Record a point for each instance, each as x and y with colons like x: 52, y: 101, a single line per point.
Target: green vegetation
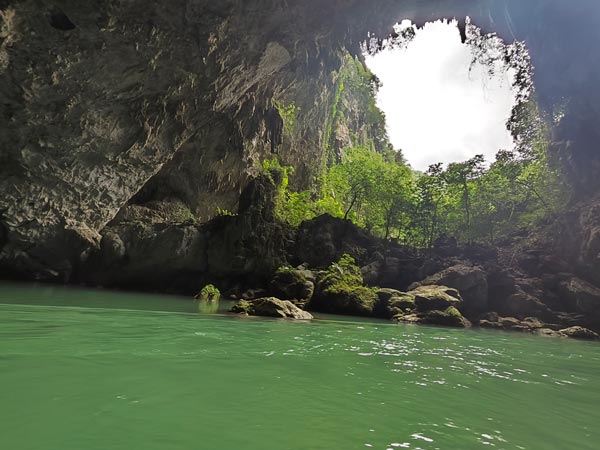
x: 371, y: 185
x: 341, y: 290
x: 225, y: 212
x: 345, y: 273
x: 209, y: 293
x: 288, y: 113
x: 355, y: 90
x: 470, y: 200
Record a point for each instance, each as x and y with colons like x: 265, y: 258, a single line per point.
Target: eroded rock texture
x: 112, y: 109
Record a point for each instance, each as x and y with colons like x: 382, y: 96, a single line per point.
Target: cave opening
x: 447, y: 90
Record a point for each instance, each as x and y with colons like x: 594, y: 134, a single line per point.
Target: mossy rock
x: 242, y: 307
x: 347, y: 300
x: 392, y: 302
x: 209, y: 293
x: 430, y: 298
x: 271, y: 307
x: 344, y: 272
x: 449, y: 317
x: 291, y: 284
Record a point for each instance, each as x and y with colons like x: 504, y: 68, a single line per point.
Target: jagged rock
x: 580, y: 296
x: 529, y: 324
x: 580, y: 333
x: 450, y: 317
x: 112, y: 248
x: 523, y: 305
x: 370, y: 272
x: 392, y: 302
x: 291, y: 284
x: 471, y: 282
x: 325, y: 239
x: 347, y: 300
x: 271, y: 307
x: 429, y: 298
x: 547, y: 332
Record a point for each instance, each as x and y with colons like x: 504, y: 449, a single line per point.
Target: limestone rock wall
x: 107, y: 105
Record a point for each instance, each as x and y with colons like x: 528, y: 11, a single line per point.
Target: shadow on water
x: 39, y: 294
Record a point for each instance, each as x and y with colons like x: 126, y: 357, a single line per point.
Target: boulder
x: 580, y: 333
x: 523, y: 305
x: 579, y: 295
x: 449, y: 317
x: 391, y: 302
x: 347, y: 300
x: 271, y: 307
x: 471, y: 282
x: 429, y: 298
x: 292, y: 284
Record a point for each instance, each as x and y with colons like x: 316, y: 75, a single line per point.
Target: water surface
x: 102, y: 370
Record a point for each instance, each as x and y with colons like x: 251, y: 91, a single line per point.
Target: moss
x: 404, y: 302
x: 291, y: 284
x: 341, y: 290
x: 288, y: 113
x: 345, y: 274
x: 242, y: 307
x: 289, y: 275
x: 448, y: 317
x: 225, y: 213
x: 208, y: 293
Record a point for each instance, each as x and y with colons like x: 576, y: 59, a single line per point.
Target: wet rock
x: 347, y: 300
x: 580, y: 333
x: 449, y: 317
x: 271, y: 307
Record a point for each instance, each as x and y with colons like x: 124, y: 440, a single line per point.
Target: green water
x: 121, y: 371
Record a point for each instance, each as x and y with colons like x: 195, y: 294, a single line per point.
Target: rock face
x: 106, y: 105
x: 126, y: 126
x: 435, y: 305
x: 470, y: 281
x: 143, y: 104
x: 580, y: 296
x: 291, y: 284
x: 580, y: 333
x: 271, y: 307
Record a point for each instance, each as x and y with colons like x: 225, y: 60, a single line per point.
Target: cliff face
x: 109, y: 103
x: 110, y: 109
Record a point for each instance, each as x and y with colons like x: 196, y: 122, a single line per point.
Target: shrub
x: 208, y: 293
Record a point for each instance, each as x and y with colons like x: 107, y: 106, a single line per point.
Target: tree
x: 462, y: 175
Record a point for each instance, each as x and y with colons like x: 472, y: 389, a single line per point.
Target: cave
x: 216, y: 114
x: 169, y: 170
x: 127, y: 130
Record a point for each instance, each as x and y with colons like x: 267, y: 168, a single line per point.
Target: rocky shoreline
x: 329, y: 265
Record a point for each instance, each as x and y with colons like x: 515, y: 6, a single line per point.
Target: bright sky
x: 438, y: 111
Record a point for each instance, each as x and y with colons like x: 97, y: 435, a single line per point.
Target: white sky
x: 438, y: 111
